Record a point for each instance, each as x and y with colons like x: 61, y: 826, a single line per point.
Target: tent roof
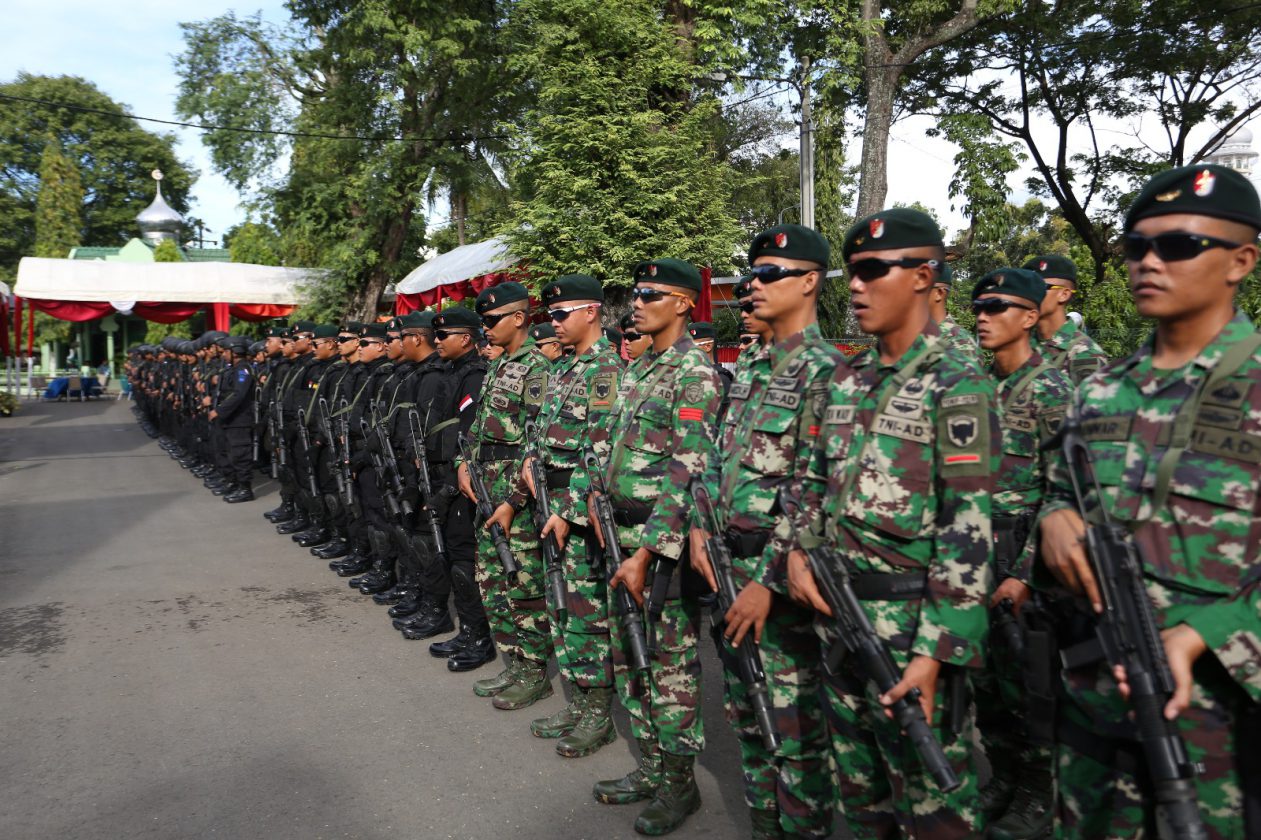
x: 4, y: 290
x: 459, y: 264
x: 191, y: 282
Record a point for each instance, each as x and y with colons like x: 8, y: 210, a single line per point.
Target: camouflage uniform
x: 1073, y: 352
x: 662, y: 427
x: 769, y: 432
x: 511, y: 397
x: 1202, y: 571
x: 960, y: 339
x: 582, y: 390
x: 901, y: 483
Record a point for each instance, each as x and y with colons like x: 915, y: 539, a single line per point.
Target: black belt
x: 499, y: 452
x: 558, y: 479
x: 630, y: 514
x: 889, y: 587
x: 746, y: 543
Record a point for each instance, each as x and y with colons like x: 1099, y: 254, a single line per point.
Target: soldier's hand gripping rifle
x: 553, y: 563
x: 378, y: 466
x: 278, y: 438
x: 625, y: 607
x: 486, y: 509
x: 304, y: 438
x: 748, y: 658
x: 326, y: 429
x: 254, y: 434
x: 426, y: 485
x: 392, y: 475
x: 857, y: 638
x: 1128, y: 634
x: 341, y: 451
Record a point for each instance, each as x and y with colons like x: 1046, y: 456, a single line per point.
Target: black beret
x: 377, y: 330
x: 418, y: 320
x: 225, y: 342
x: 572, y: 287
x: 501, y: 295
x: 542, y: 332
x: 351, y: 327
x: 325, y: 331
x: 614, y: 335
x: 393, y: 325
x: 1019, y: 282
x: 184, y: 348
x: 892, y: 230
x: 702, y: 330
x: 303, y: 326
x: 744, y: 287
x: 627, y: 322
x: 1053, y: 266
x: 458, y: 318
x: 1202, y: 190
x: 792, y: 242
x: 945, y: 274
x: 277, y: 332
x: 238, y: 344
x: 668, y: 272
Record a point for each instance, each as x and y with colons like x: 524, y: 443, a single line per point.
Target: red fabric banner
x: 165, y: 313
x: 704, y: 309
x: 453, y: 291
x: 70, y: 310
x: 218, y: 316
x: 30, y: 335
x: 17, y: 326
x: 4, y: 328
x: 260, y: 311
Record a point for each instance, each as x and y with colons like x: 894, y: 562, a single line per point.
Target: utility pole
x: 806, y: 154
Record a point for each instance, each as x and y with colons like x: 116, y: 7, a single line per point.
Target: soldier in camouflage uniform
x: 1061, y: 341
x: 511, y: 398
x: 955, y: 335
x: 633, y: 342
x: 662, y: 426
x: 767, y: 437
x: 1033, y: 395
x: 754, y: 332
x: 544, y: 336
x: 901, y: 482
x: 582, y: 391
x: 1174, y: 432
x: 706, y: 338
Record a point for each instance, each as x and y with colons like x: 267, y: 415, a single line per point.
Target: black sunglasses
x: 775, y: 273
x: 873, y: 268
x: 1171, y: 247
x: 366, y: 342
x: 746, y: 306
x: 630, y: 336
x: 443, y: 335
x: 492, y: 321
x: 746, y: 340
x: 559, y: 315
x: 996, y: 306
x: 342, y: 339
x: 653, y: 295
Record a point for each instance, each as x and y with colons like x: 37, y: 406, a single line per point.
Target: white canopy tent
x: 200, y: 282
x: 457, y: 265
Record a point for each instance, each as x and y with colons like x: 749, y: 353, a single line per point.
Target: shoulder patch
x: 693, y: 392
x: 839, y: 415
x: 741, y: 391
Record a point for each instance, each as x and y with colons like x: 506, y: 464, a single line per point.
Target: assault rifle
x: 1129, y: 636
x: 748, y: 659
x: 486, y: 509
x: 278, y: 438
x: 426, y: 485
x: 342, y: 428
x: 553, y: 563
x: 254, y: 435
x: 326, y: 429
x: 859, y: 639
x: 304, y: 437
x: 623, y: 604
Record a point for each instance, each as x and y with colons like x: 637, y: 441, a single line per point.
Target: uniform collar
x: 777, y: 350
x: 673, y: 355
x: 929, y: 338
x: 1138, y: 366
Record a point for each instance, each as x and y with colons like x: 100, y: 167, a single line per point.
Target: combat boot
x: 561, y: 723
x: 594, y: 730
x: 530, y: 686
x: 766, y: 824
x: 677, y: 798
x: 351, y: 565
x: 1030, y: 815
x: 296, y: 525
x: 225, y: 489
x: 996, y: 794
x: 280, y: 514
x: 336, y: 547
x: 244, y: 493
x: 475, y: 654
x: 316, y: 536
x: 453, y: 645
x: 491, y: 686
x: 639, y: 784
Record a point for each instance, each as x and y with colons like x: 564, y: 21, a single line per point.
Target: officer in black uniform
x: 234, y: 417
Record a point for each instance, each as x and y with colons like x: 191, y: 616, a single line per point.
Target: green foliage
x: 113, y: 156
x: 156, y: 332
x: 58, y: 204
x: 167, y: 251
x: 255, y: 243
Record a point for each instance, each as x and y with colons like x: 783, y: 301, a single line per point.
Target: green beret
x: 792, y: 242
x: 393, y: 325
x: 352, y: 327
x: 303, y: 326
x: 326, y: 331
x: 668, y: 272
x: 457, y: 318
x: 946, y: 275
x: 892, y: 230
x: 744, y: 287
x: 627, y: 322
x: 1019, y: 282
x: 1202, y: 190
x: 572, y: 287
x: 377, y: 330
x: 418, y: 320
x: 1053, y: 266
x: 542, y: 332
x: 501, y: 295
x: 702, y: 330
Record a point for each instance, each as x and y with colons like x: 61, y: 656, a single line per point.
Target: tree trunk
x: 873, y: 185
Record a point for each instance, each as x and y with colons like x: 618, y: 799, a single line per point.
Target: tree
x: 253, y: 242
x: 113, y: 155
x: 167, y: 251
x: 58, y: 204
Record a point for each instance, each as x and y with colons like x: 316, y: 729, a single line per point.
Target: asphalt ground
x: 170, y: 667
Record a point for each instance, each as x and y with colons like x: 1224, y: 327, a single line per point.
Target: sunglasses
x: 653, y: 295
x: 559, y: 315
x: 443, y: 335
x: 368, y: 342
x: 342, y: 339
x: 996, y: 306
x: 746, y: 306
x: 873, y: 268
x: 746, y: 340
x: 415, y: 335
x: 1171, y: 247
x: 775, y: 273
x: 630, y: 336
x: 318, y: 341
x: 492, y: 321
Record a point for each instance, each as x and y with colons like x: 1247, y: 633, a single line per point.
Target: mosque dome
x: 159, y: 220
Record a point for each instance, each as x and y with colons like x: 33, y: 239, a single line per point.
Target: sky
x: 127, y: 51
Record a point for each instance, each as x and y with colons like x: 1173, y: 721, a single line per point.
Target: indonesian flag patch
x: 466, y: 402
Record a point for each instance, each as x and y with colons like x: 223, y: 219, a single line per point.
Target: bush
x: 8, y: 404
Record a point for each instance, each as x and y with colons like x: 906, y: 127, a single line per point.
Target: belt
x: 558, y: 479
x: 1006, y: 523
x: 630, y: 514
x: 499, y: 452
x: 746, y: 543
x: 889, y: 587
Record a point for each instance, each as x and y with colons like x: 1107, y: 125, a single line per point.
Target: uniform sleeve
x: 535, y: 397
x: 242, y: 390
x: 1232, y: 631
x: 1052, y: 406
x: 953, y: 622
x: 601, y: 393
x: 693, y: 434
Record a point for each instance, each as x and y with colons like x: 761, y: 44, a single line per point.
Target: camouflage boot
x: 491, y: 686
x: 561, y: 723
x: 676, y: 799
x: 1030, y: 815
x: 594, y: 730
x: 530, y: 686
x: 640, y: 783
x: 766, y: 824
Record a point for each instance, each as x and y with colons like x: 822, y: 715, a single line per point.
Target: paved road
x: 171, y: 668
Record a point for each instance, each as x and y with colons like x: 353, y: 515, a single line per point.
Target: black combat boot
x: 243, y: 493
x: 443, y: 650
